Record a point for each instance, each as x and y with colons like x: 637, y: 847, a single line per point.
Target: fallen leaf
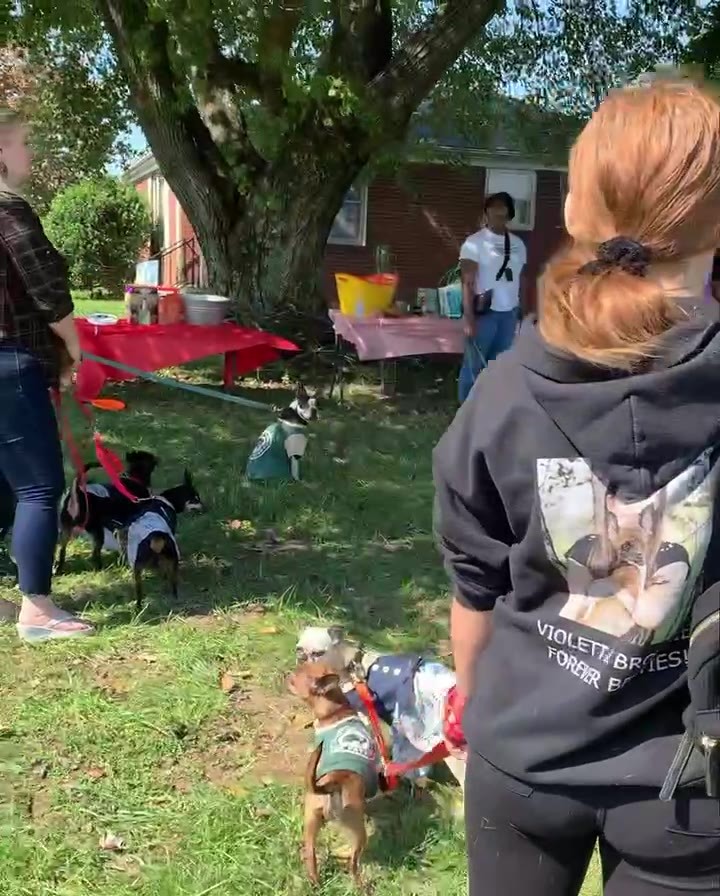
x: 269, y: 630
x: 96, y: 774
x: 111, y: 842
x: 228, y: 685
x: 263, y: 812
x: 182, y: 785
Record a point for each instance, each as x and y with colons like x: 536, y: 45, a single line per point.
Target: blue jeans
x: 494, y: 335
x: 31, y: 466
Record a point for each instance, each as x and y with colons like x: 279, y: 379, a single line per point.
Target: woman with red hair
x: 578, y: 513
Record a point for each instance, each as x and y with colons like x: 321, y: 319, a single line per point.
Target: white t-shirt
x: 487, y: 250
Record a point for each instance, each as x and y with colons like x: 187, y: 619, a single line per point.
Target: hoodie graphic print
x: 631, y: 569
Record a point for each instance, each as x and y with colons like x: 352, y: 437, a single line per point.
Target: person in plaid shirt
x: 39, y: 349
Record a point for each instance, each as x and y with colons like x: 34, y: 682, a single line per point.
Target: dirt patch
x: 117, y: 675
x: 263, y: 738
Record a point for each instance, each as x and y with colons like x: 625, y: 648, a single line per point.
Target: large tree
x: 262, y: 113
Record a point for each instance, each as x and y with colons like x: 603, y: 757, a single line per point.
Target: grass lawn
x: 130, y: 735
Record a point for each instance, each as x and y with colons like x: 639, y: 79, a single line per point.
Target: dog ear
x: 187, y: 478
x: 613, y: 524
x: 336, y: 633
x: 326, y: 685
x: 301, y: 392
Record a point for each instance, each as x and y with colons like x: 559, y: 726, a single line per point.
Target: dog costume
x: 156, y: 515
x: 273, y: 451
x: 409, y: 691
x: 348, y: 746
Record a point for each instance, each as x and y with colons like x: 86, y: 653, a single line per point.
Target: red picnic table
x: 156, y: 346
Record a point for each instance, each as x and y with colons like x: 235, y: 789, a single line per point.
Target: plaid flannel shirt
x: 34, y: 290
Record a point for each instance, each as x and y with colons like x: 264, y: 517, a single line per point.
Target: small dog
x: 342, y: 771
x: 148, y: 540
x: 410, y: 691
x: 281, y: 447
x: 101, y: 509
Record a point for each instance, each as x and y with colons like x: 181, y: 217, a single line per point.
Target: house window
x: 156, y: 198
x: 350, y: 225
x: 521, y: 186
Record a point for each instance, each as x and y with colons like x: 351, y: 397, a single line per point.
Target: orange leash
x: 108, y: 460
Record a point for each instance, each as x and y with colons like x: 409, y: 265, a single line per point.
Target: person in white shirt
x: 492, y: 264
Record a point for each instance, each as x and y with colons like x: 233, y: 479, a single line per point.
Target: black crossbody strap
x: 506, y: 259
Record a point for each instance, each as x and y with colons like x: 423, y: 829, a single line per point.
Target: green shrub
x: 100, y: 226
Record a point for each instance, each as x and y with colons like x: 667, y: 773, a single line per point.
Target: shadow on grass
x: 352, y: 541
x: 403, y: 823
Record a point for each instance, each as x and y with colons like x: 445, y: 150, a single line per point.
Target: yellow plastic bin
x: 365, y: 296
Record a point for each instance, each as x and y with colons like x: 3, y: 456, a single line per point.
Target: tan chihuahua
x: 342, y: 770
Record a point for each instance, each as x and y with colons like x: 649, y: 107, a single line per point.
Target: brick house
x: 420, y: 215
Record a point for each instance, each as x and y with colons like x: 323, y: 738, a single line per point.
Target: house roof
x: 516, y: 134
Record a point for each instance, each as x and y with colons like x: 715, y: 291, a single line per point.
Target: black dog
x: 101, y: 509
x: 149, y: 541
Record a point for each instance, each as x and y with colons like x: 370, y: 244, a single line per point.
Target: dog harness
x: 270, y: 458
x: 348, y: 746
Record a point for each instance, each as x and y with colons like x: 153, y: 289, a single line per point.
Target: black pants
x: 539, y: 841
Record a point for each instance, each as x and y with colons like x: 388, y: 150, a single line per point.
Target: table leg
x: 229, y: 368
x: 388, y: 376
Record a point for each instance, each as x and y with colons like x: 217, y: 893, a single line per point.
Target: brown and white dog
x: 342, y: 772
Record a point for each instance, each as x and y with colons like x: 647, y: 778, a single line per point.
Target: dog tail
x: 311, y: 785
x: 157, y: 543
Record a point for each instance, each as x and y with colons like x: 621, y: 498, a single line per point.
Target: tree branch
x: 362, y: 36
x: 427, y: 55
x: 277, y: 32
x: 191, y: 160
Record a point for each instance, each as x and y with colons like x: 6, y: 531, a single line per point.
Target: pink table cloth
x: 379, y: 338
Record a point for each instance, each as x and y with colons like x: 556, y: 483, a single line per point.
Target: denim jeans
x: 31, y: 466
x: 494, y: 335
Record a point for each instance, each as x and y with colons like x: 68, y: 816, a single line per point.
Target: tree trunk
x: 271, y: 255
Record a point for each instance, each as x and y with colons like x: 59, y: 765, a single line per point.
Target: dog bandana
x: 348, y: 746
x: 270, y: 458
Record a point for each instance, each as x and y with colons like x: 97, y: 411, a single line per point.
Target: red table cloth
x: 156, y: 346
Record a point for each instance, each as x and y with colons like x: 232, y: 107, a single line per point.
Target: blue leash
x: 176, y: 384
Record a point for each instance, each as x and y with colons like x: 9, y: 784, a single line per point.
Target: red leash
x: 108, y: 460
x: 393, y: 771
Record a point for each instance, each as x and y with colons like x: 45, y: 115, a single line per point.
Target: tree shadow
x: 353, y: 539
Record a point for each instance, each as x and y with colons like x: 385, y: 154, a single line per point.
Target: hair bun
x: 620, y: 252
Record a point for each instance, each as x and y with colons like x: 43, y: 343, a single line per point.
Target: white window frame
x: 361, y: 238
x: 563, y: 197
x: 157, y: 198
x: 527, y: 174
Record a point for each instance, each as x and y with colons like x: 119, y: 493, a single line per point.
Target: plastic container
x: 171, y: 307
x: 365, y: 296
x: 205, y: 310
x: 450, y: 301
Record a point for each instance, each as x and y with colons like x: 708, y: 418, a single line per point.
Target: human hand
x: 70, y: 357
x: 468, y: 328
x: 452, y: 726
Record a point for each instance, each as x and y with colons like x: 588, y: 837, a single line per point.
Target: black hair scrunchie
x: 619, y: 253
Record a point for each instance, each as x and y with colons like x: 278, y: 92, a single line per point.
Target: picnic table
x: 153, y: 347
x: 388, y: 338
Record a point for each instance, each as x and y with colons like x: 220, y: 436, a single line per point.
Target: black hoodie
x: 577, y: 503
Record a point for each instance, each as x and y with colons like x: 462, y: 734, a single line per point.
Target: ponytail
x: 608, y: 315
